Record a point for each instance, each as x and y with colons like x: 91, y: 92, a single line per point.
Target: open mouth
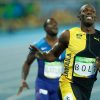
x: 89, y: 18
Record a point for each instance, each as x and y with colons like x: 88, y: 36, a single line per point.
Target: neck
x: 51, y: 40
x: 90, y: 30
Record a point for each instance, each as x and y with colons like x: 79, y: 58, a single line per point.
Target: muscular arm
x: 27, y: 64
x: 58, y: 48
x: 25, y: 71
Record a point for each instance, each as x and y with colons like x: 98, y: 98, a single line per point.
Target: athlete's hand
x: 33, y: 48
x: 22, y: 87
x: 38, y: 54
x: 98, y: 63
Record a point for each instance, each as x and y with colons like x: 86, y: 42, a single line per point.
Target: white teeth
x: 48, y: 20
x: 89, y: 17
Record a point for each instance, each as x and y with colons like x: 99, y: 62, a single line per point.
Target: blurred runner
x: 47, y: 80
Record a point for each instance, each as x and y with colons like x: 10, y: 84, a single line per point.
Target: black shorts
x: 72, y: 91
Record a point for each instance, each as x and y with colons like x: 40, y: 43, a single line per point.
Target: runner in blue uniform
x: 47, y: 80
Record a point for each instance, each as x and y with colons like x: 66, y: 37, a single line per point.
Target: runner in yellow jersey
x: 82, y: 61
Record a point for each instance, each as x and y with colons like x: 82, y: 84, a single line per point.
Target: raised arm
x: 57, y: 49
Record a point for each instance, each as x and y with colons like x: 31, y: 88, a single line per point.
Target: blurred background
x: 21, y: 24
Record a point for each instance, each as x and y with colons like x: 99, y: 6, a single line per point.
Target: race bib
x: 53, y: 69
x: 84, y: 67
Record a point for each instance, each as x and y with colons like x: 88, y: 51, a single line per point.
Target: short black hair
x: 82, y: 7
x: 46, y: 22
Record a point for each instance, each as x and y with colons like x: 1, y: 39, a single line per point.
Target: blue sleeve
x: 37, y: 45
x: 31, y: 49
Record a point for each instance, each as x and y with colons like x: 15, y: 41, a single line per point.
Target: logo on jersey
x: 97, y: 39
x: 79, y: 36
x: 68, y: 97
x: 42, y: 91
x: 43, y: 48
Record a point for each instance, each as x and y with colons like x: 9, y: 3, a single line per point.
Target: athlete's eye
x: 93, y: 11
x: 85, y: 10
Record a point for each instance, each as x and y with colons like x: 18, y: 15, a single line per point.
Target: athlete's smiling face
x: 87, y: 15
x: 51, y: 27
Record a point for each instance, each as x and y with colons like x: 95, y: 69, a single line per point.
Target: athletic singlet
x: 77, y: 66
x: 49, y: 70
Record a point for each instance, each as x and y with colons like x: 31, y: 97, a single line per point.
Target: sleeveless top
x: 49, y: 71
x: 79, y: 63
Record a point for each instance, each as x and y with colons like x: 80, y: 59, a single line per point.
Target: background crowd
x: 19, y: 14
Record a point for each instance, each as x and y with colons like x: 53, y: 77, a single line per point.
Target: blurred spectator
x: 16, y: 14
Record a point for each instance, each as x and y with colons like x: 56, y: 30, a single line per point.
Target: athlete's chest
x: 95, y: 44
x: 77, y: 41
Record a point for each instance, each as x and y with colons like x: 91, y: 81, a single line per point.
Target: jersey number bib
x: 53, y: 69
x: 84, y: 67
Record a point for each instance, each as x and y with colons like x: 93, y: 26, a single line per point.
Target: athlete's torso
x: 49, y: 71
x: 82, y: 68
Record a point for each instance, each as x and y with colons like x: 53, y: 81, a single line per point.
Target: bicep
x: 30, y: 58
x: 61, y: 45
x: 58, y: 49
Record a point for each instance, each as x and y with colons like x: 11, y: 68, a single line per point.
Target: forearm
x: 52, y: 54
x: 25, y: 71
x: 27, y: 64
x: 48, y: 56
x: 57, y: 49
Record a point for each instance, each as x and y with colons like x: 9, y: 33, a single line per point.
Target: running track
x: 13, y: 52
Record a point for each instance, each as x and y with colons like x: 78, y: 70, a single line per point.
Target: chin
x: 88, y: 24
x: 53, y: 35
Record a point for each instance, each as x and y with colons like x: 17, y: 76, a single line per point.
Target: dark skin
x: 51, y: 29
x: 87, y: 17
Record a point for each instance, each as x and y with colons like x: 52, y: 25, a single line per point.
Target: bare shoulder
x: 64, y: 37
